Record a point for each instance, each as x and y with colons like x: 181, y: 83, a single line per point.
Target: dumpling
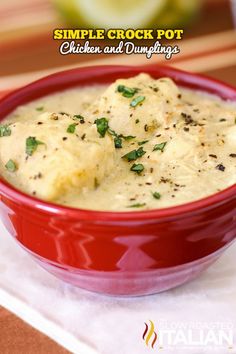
x: 61, y: 161
x: 156, y: 101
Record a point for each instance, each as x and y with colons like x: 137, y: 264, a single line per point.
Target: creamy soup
x: 136, y: 144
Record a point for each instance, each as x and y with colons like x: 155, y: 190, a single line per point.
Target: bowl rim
x: 69, y: 79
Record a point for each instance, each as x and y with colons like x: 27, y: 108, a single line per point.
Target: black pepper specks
x: 188, y: 119
x: 38, y: 176
x: 220, y: 167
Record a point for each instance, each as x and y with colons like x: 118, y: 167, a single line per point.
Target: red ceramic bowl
x: 120, y: 253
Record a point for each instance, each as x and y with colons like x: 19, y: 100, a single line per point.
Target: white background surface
x: 87, y: 323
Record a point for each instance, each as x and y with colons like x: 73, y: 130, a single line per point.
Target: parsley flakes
x: 11, y: 166
x: 39, y: 109
x: 137, y: 205
x: 4, y: 130
x: 134, y: 154
x: 127, y: 137
x: 138, y: 168
x: 136, y: 101
x: 71, y: 128
x: 117, y: 138
x: 118, y: 142
x: 143, y: 142
x: 127, y: 92
x: 102, y: 126
x: 31, y: 145
x: 156, y: 195
x: 160, y: 146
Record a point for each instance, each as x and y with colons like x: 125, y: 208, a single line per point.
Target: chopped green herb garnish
x: 39, y: 109
x: 138, y: 168
x: 4, y: 130
x: 81, y: 118
x: 137, y: 205
x: 127, y: 91
x: 160, y: 146
x: 140, y: 152
x: 102, y: 126
x: 31, y: 145
x: 134, y: 154
x: 118, y: 142
x: 156, y: 195
x: 143, y: 142
x: 112, y: 132
x: 118, y: 138
x: 136, y: 101
x: 128, y: 137
x: 130, y: 156
x: 71, y: 128
x: 11, y: 166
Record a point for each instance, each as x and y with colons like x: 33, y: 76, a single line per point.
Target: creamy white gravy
x: 165, y: 146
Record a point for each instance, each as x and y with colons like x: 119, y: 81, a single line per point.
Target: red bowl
x: 119, y: 253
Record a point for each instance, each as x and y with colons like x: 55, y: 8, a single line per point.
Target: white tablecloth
x: 87, y: 323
